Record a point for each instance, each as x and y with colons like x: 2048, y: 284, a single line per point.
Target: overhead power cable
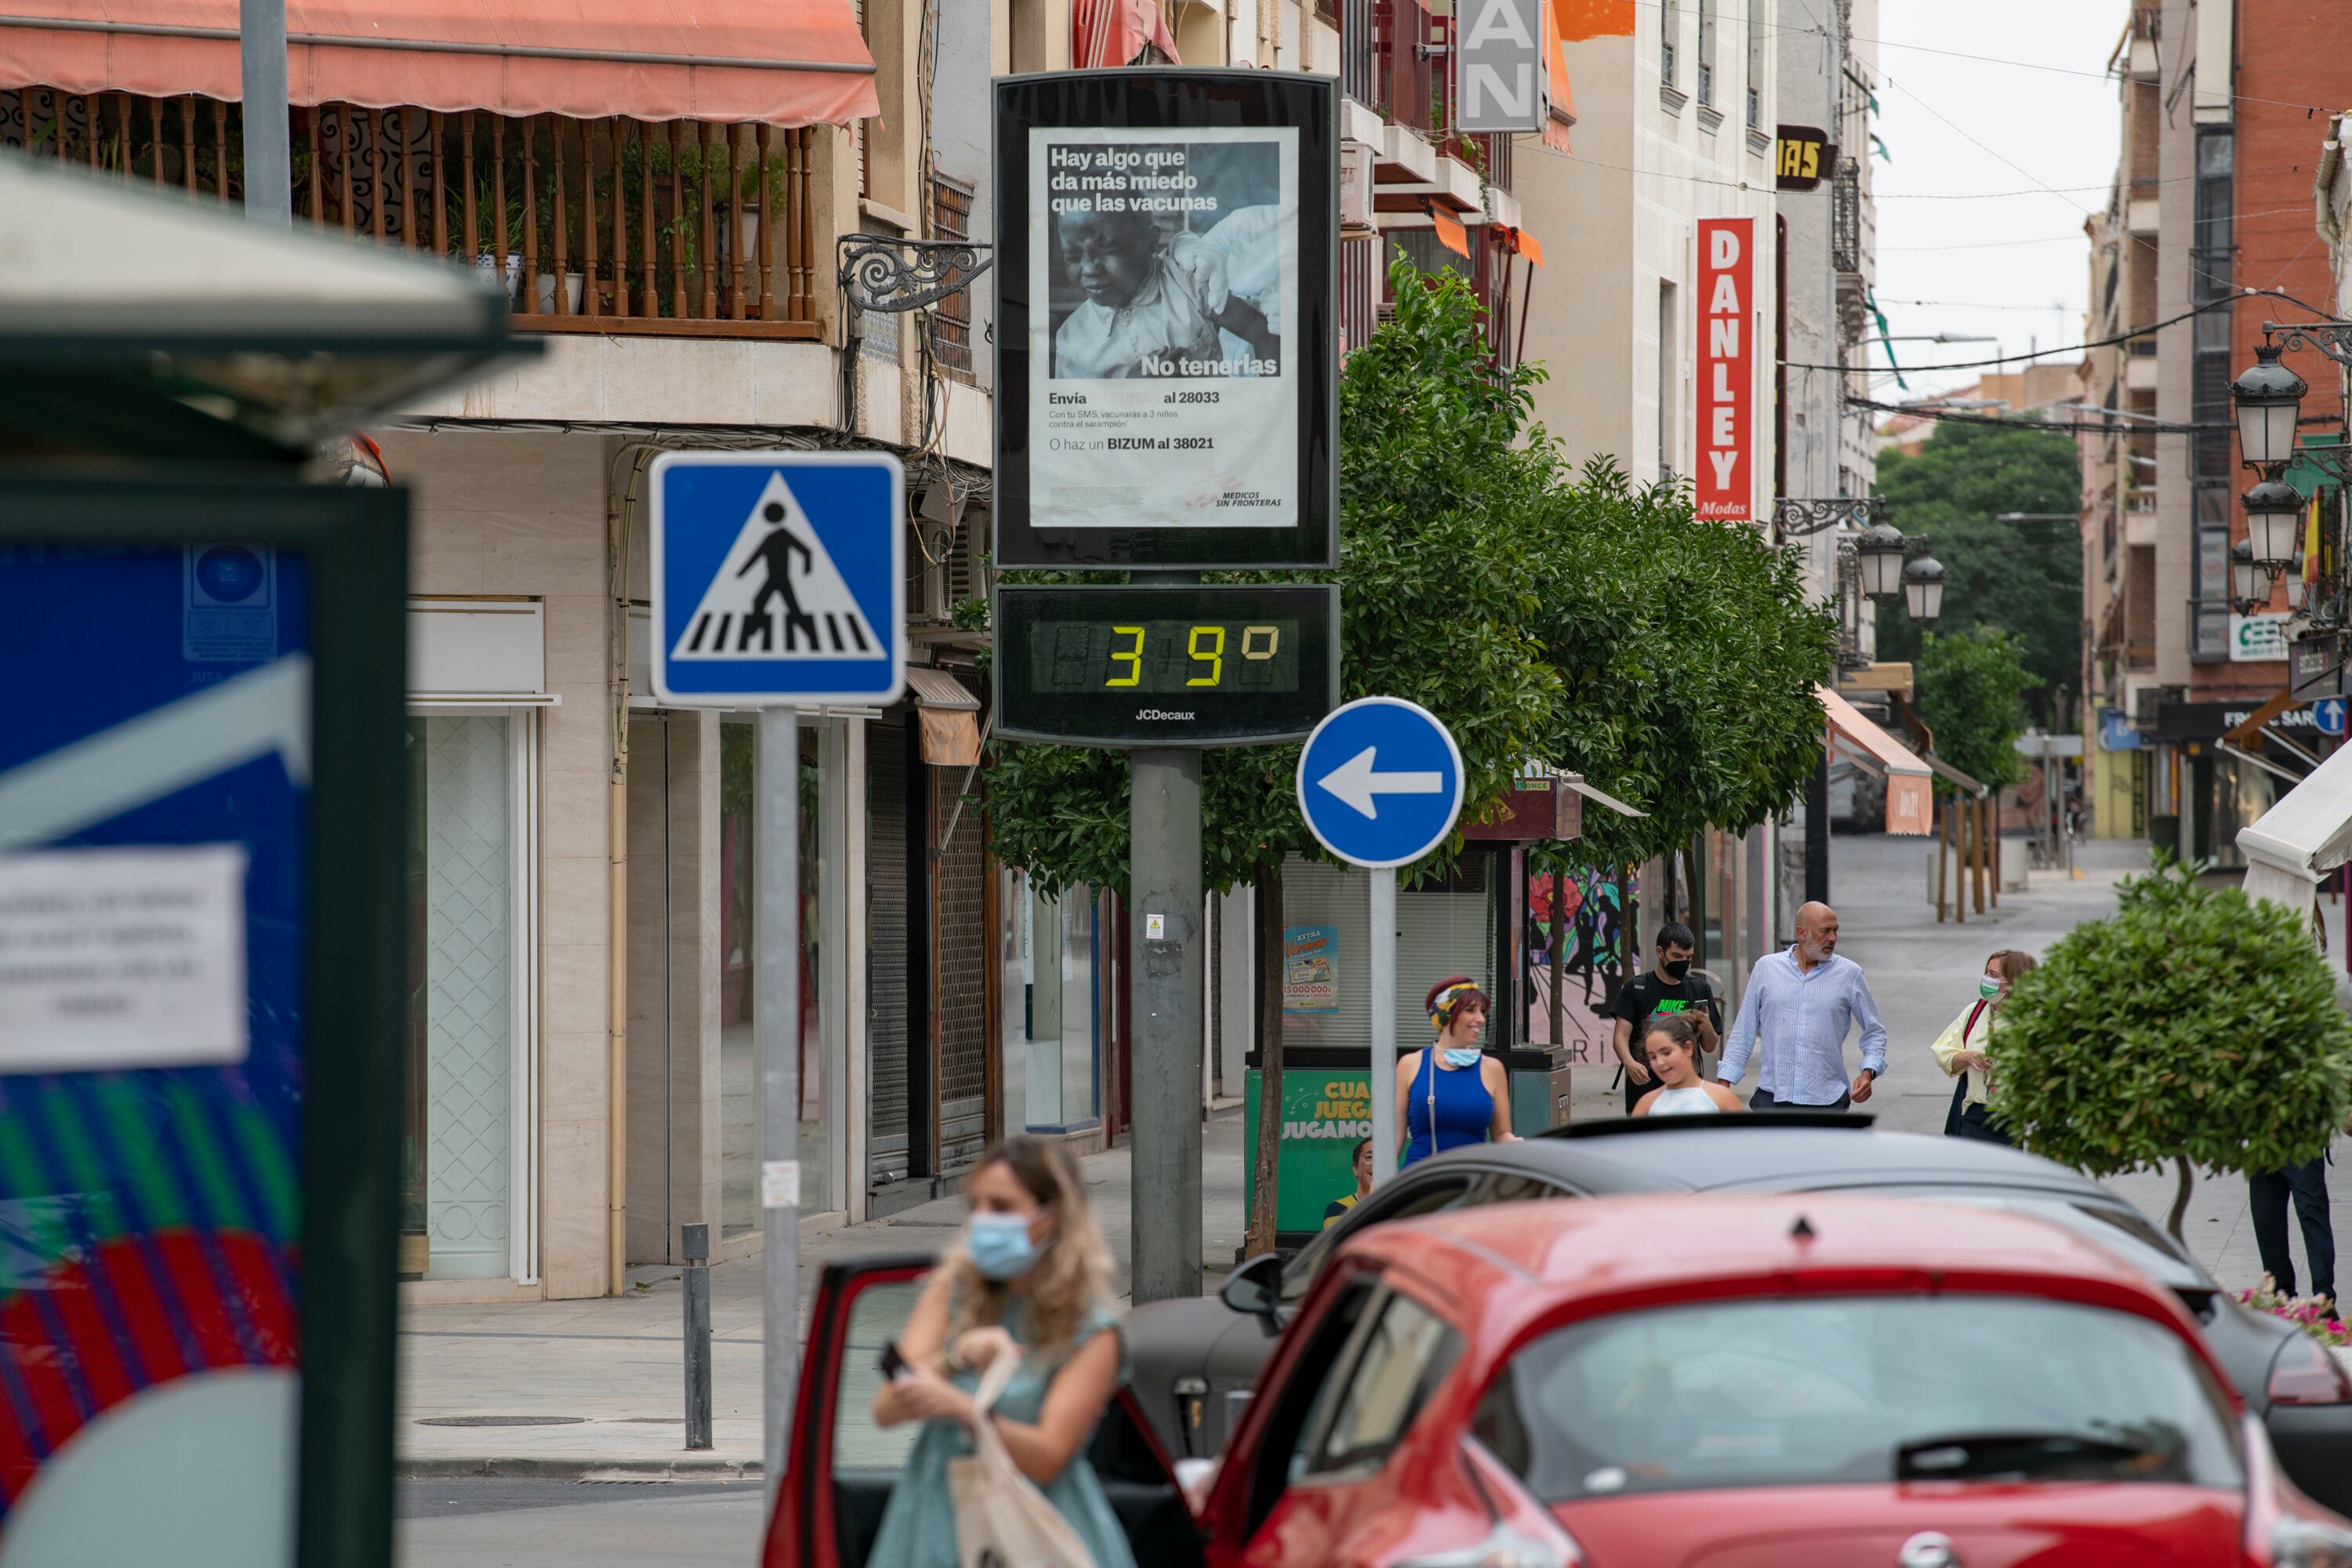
x: 2222, y: 303
x: 2019, y: 422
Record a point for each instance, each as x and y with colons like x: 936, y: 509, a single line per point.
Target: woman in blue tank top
x: 1451, y: 1093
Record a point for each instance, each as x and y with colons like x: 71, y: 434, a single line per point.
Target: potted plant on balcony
x: 575, y: 281
x: 498, y: 256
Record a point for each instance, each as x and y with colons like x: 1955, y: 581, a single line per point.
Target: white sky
x: 2012, y: 266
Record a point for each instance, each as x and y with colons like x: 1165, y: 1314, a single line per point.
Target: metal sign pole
x: 269, y: 148
x: 1382, y: 969
x: 1164, y: 950
x: 776, y: 1005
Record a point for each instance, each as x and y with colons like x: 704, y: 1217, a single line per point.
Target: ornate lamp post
x: 1922, y: 589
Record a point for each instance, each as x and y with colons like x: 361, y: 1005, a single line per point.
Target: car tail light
x: 1508, y: 1548
x: 2304, y: 1374
x: 2297, y: 1541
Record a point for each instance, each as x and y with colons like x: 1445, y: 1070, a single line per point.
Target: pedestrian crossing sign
x: 779, y: 578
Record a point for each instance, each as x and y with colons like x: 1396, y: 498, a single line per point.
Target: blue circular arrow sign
x: 1380, y: 782
x: 2328, y: 715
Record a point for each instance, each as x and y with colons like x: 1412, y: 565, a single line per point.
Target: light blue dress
x: 918, y: 1525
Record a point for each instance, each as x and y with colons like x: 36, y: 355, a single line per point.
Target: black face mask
x: 1675, y: 970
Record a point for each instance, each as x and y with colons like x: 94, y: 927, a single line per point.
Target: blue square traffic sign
x: 779, y: 578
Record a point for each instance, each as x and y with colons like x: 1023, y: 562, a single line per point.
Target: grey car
x: 1196, y: 1360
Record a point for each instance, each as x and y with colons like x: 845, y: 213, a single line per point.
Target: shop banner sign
x: 1501, y: 65
x: 2256, y: 637
x: 1726, y: 357
x: 1166, y: 346
x: 1310, y: 980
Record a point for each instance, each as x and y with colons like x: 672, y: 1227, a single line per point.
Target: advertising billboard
x: 1166, y: 346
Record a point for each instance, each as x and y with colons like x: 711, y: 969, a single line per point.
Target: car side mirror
x: 1255, y: 1289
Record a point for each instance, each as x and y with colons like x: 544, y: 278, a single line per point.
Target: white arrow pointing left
x: 1359, y: 787
x: 161, y: 752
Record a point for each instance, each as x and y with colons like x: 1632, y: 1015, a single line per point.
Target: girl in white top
x: 1672, y: 1046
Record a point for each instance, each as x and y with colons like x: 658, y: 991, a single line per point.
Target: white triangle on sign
x: 778, y: 594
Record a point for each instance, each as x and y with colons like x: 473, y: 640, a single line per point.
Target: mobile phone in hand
x: 894, y: 1365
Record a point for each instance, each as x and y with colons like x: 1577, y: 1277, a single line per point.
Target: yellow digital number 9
x: 1131, y: 656
x: 1213, y: 655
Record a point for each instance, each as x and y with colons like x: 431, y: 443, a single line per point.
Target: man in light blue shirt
x: 1800, y: 1004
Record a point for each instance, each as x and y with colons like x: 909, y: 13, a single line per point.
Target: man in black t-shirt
x: 1668, y: 987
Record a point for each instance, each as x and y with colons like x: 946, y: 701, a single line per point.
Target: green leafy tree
x: 2024, y: 577
x: 1690, y: 657
x: 2193, y: 1027
x: 1972, y: 687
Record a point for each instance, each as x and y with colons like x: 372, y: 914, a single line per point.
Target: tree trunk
x: 1263, y: 1178
x: 2181, y: 1198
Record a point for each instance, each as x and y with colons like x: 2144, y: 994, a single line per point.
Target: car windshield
x: 2122, y: 1231
x: 1789, y: 1391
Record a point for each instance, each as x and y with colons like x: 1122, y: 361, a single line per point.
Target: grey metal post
x: 777, y: 1015
x: 268, y: 145
x: 694, y: 1246
x: 1380, y: 968
x: 1164, y: 954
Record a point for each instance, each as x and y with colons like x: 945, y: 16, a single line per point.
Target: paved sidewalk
x: 609, y: 1371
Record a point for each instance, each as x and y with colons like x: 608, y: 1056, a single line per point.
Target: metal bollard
x: 694, y: 1246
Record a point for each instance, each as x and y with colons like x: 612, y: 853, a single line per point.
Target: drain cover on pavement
x: 500, y: 1420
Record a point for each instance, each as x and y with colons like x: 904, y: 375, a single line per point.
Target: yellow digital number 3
x: 1133, y: 658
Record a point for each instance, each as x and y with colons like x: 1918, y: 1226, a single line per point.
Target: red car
x: 1751, y: 1382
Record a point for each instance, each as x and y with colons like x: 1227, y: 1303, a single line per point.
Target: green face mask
x: 1987, y: 987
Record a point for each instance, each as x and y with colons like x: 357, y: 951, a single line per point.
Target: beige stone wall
x: 518, y: 513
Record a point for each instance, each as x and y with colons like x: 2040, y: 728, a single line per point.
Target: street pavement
x: 606, y: 1375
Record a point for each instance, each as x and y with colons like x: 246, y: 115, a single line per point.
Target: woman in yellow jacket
x: 1961, y: 1050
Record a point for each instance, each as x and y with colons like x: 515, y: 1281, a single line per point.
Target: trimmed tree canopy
x: 2193, y: 1026
x: 1972, y: 688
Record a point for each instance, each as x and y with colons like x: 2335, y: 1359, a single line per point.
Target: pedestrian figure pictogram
x: 760, y: 607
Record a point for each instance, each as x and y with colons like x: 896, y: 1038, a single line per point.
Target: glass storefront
x: 1444, y: 929
x: 458, y: 1207
x: 740, y: 1090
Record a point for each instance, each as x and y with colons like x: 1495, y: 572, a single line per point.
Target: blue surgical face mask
x: 1462, y: 1058
x: 999, y: 1246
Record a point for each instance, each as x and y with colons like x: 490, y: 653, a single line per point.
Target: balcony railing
x: 1404, y: 77
x: 609, y: 225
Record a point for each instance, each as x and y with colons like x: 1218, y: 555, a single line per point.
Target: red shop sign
x: 1727, y: 295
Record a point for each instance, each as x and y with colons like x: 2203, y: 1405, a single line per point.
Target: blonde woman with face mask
x: 1029, y: 1279
x: 1961, y: 1050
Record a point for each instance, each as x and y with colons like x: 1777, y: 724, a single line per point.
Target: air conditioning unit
x: 1356, y: 191
x: 935, y: 538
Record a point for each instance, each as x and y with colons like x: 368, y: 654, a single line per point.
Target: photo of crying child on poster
x: 1164, y: 261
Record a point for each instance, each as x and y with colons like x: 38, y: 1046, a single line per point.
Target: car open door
x: 838, y: 1475
x: 842, y: 1467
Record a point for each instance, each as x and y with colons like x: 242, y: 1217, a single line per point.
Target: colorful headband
x: 1440, y: 1000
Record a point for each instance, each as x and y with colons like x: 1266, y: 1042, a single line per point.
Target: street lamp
x: 1881, y: 548
x: 2248, y: 592
x: 1922, y: 589
x: 2269, y: 398
x: 2273, y: 520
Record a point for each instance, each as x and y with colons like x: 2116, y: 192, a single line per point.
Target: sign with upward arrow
x: 1380, y: 782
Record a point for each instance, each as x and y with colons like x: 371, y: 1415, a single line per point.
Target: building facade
x: 2204, y: 238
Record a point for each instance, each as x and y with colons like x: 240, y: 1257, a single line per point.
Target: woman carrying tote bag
x: 1011, y: 1356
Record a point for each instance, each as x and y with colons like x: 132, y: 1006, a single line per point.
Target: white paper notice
x: 780, y: 1184
x: 123, y: 958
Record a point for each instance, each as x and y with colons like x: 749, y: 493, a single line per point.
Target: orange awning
x: 1450, y: 234
x: 1113, y: 32
x: 802, y: 62
x: 1563, y: 99
x: 1909, y: 780
x: 1528, y: 245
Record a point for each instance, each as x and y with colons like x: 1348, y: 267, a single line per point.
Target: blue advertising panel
x: 160, y: 853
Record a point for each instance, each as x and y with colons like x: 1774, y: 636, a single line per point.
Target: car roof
x: 1648, y: 1243
x: 1769, y: 1152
